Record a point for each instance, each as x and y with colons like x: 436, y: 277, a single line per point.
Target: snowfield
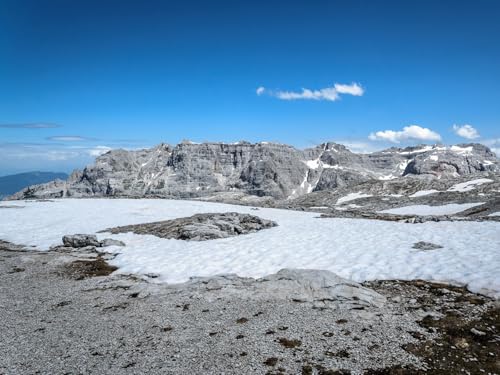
x: 353, y: 248
x: 469, y: 185
x: 423, y: 193
x: 351, y: 197
x: 422, y: 209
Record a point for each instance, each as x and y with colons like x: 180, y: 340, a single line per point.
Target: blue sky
x: 79, y: 77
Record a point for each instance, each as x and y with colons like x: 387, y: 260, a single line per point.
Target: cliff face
x: 263, y: 169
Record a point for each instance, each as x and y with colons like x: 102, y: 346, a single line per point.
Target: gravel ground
x: 58, y: 317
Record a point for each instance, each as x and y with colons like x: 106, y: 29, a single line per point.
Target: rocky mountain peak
x: 190, y: 170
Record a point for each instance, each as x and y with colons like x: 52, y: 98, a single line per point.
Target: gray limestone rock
x: 200, y: 227
x: 80, y: 240
x: 278, y: 171
x: 422, y: 245
x: 111, y: 242
x: 321, y: 289
x: 454, y: 161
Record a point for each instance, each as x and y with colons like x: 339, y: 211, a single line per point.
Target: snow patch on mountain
x: 469, y: 185
x: 352, y: 196
x: 446, y: 209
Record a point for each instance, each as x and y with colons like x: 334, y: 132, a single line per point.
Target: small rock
x: 461, y: 343
x: 477, y: 332
x: 422, y: 245
x: 111, y: 242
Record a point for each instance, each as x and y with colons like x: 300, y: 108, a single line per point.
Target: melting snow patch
x: 388, y: 177
x: 495, y: 214
x: 462, y: 150
x: 352, y: 196
x: 446, y: 209
x: 422, y: 193
x: 316, y: 163
x: 357, y: 249
x: 469, y: 185
x: 312, y: 164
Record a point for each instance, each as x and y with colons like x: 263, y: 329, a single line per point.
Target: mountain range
x: 277, y: 171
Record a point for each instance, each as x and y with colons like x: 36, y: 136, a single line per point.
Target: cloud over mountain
x: 411, y: 132
x: 466, y: 131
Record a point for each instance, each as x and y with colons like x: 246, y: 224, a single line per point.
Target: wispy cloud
x: 466, y: 131
x: 331, y: 94
x: 411, y: 132
x: 33, y: 125
x: 69, y: 138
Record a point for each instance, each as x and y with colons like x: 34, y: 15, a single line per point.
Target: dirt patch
x: 290, y: 344
x: 272, y: 361
x: 82, y: 269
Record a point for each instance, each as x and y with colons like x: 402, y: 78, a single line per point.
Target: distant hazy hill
x: 13, y: 183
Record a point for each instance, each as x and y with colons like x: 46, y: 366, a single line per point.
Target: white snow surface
x: 422, y: 209
x: 423, y: 193
x: 352, y: 248
x: 352, y: 196
x: 470, y: 185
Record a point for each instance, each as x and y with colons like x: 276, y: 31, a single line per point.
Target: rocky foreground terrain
x: 63, y: 313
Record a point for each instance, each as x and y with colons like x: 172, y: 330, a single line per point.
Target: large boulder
x: 318, y: 286
x: 80, y: 240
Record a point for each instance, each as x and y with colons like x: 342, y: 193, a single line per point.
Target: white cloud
x: 329, y: 93
x: 466, y: 131
x: 411, y: 132
x: 31, y: 125
x: 68, y: 138
x: 98, y: 150
x: 352, y: 89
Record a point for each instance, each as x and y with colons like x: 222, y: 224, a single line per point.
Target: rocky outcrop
x: 321, y: 289
x: 78, y: 241
x: 279, y: 171
x: 454, y: 161
x: 200, y: 227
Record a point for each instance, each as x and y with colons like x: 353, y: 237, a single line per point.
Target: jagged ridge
x: 190, y: 170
